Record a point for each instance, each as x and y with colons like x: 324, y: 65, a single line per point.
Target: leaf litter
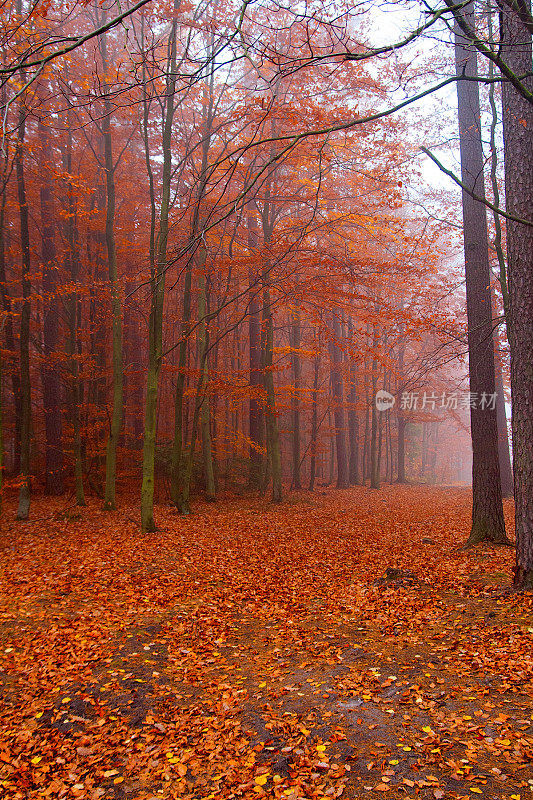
x: 341, y: 645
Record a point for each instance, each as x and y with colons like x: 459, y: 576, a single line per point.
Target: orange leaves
x: 258, y: 652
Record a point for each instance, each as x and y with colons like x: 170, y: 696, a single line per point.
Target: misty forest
x: 266, y: 399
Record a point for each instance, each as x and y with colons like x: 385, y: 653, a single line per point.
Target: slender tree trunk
x: 73, y: 314
x: 295, y: 329
x: 116, y: 301
x: 518, y: 149
x: 157, y: 286
x: 375, y: 453
x: 353, y: 421
x: 1, y: 433
x: 180, y: 426
x: 267, y: 350
x: 273, y: 447
x: 50, y: 370
x: 314, y: 423
x: 8, y: 324
x: 256, y: 415
x: 338, y: 407
x: 506, y: 472
x: 487, y: 509
x: 23, y: 510
x: 203, y: 346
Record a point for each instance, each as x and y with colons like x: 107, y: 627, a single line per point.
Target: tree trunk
x: 314, y: 423
x: 295, y: 329
x: 7, y: 307
x: 518, y: 148
x: 487, y: 509
x: 50, y: 370
x: 116, y: 301
x: 203, y: 345
x: 23, y: 510
x: 73, y: 313
x: 338, y: 406
x: 157, y: 286
x: 374, y: 449
x: 353, y: 421
x: 506, y: 472
x: 273, y: 447
x: 256, y: 415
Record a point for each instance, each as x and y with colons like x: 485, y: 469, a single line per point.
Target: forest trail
x: 253, y: 650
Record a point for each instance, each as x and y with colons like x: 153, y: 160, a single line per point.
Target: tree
x: 487, y: 509
x: 515, y: 34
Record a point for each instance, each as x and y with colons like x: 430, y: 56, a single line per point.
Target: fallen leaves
x: 244, y: 655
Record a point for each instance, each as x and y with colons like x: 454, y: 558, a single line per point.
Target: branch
x: 483, y: 200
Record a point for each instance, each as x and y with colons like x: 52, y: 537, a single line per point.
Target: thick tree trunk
x: 487, y: 509
x: 50, y: 369
x: 518, y: 149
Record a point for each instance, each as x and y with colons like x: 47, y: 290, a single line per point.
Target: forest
x: 266, y: 399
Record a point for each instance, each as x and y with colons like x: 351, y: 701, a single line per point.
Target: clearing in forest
x: 253, y: 651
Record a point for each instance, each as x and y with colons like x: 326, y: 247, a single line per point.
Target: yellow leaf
x: 466, y: 717
x: 118, y: 780
x: 39, y: 715
x: 407, y: 749
x: 262, y: 779
x: 515, y: 797
x: 427, y: 729
x: 321, y: 748
x: 36, y: 759
x: 505, y: 742
x: 475, y: 790
x: 66, y: 699
x: 394, y: 761
x: 262, y: 684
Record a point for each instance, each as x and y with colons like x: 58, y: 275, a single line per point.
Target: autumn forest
x: 266, y: 399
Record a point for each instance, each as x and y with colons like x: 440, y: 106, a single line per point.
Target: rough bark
x: 518, y: 153
x: 487, y: 509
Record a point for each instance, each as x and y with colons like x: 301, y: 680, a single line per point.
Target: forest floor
x: 253, y: 651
